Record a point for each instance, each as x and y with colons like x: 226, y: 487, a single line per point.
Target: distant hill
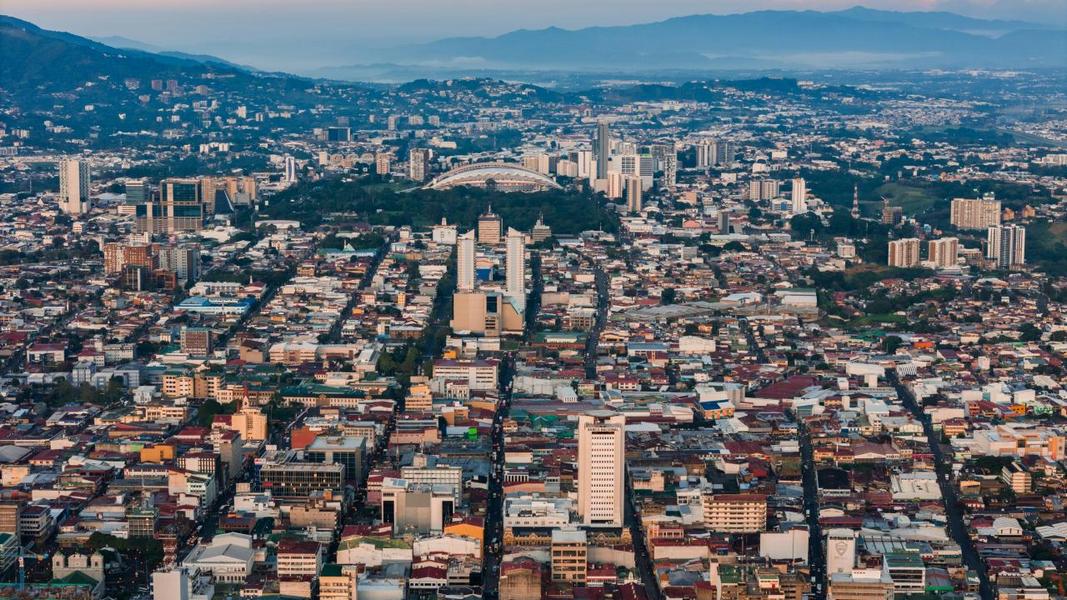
x: 36, y: 60
x: 118, y: 41
x: 777, y: 39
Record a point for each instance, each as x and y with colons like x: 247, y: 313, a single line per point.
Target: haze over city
x: 473, y: 300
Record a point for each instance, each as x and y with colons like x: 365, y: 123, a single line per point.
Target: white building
x: 601, y: 447
x: 73, y: 187
x: 516, y: 266
x: 465, y: 262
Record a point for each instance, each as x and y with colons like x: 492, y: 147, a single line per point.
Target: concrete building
x: 633, y: 194
x: 974, y: 213
x: 516, y: 267
x: 73, y: 187
x: 465, y: 255
x: 418, y: 164
x: 904, y: 253
x: 601, y: 447
x: 520, y: 579
x: 1006, y: 245
x: 840, y: 551
x: 490, y: 228
x: 416, y: 507
x: 735, y: 513
x: 570, y: 549
x: 943, y: 252
x: 337, y: 582
x: 799, y: 196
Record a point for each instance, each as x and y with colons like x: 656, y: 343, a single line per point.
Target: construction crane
x: 23, y: 555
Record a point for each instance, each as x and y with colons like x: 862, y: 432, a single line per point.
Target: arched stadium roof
x: 505, y: 176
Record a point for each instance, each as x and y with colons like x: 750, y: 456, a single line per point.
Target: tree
x: 1030, y: 332
x: 668, y: 296
x: 891, y: 343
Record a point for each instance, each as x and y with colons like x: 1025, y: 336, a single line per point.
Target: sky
x: 300, y: 35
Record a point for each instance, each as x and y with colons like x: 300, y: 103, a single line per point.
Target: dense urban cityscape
x: 767, y: 337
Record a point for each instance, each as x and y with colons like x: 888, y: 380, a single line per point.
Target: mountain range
x: 772, y: 39
x: 38, y: 60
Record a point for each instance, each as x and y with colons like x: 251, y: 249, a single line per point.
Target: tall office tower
x: 633, y: 194
x: 601, y: 447
x: 943, y: 252
x: 180, y: 207
x: 419, y: 164
x: 975, y: 213
x: 73, y: 187
x: 603, y: 149
x: 840, y: 551
x: 465, y: 262
x: 1006, y: 245
x: 800, y: 196
x: 489, y: 227
x: 904, y: 253
x: 516, y: 266
x: 290, y: 169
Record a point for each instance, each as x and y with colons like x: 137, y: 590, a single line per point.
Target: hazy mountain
x: 38, y: 60
x: 779, y: 39
x: 117, y: 41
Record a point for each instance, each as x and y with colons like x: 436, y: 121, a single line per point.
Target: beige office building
x: 601, y: 447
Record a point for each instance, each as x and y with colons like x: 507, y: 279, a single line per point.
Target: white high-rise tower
x: 601, y: 448
x: 800, y: 196
x: 516, y: 266
x: 73, y: 187
x: 465, y: 262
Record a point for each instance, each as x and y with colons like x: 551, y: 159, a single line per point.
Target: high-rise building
x: 1006, y: 245
x: 490, y: 227
x: 975, y: 213
x: 706, y: 152
x: 290, y: 169
x: 465, y: 262
x: 762, y: 189
x: 419, y: 164
x: 516, y: 267
x: 943, y: 252
x: 633, y: 194
x: 601, y: 447
x: 73, y: 187
x: 383, y: 163
x: 904, y: 253
x: 183, y: 205
x: 603, y: 149
x: 799, y: 196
